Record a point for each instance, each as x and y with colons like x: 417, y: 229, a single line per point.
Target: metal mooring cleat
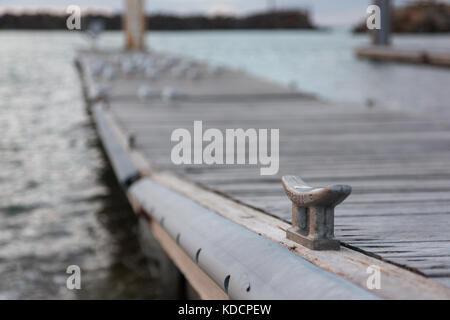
x: 313, y: 213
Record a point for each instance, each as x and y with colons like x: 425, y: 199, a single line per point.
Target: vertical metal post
x: 135, y: 24
x: 313, y: 213
x: 382, y: 37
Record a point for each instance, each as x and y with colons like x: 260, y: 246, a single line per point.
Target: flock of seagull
x: 151, y: 67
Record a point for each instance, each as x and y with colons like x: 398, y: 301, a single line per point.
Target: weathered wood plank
x: 382, y: 53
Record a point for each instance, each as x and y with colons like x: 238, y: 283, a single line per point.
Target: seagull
x: 146, y: 92
x: 194, y: 74
x: 170, y: 94
x: 181, y: 71
x: 100, y: 92
x: 152, y: 73
x: 110, y: 73
x: 97, y: 67
x: 128, y: 66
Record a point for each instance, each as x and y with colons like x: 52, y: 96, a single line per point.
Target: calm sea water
x: 59, y: 204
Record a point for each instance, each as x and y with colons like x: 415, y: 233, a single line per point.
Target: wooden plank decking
x: 414, y: 56
x: 396, y: 162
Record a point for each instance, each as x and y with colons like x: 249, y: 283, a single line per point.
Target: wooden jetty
x: 413, y: 56
x: 225, y: 226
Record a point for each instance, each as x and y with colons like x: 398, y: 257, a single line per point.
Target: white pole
x: 135, y: 25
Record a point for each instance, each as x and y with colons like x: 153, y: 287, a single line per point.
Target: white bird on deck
x: 110, y: 73
x: 194, y: 74
x: 181, y: 71
x: 128, y: 66
x: 170, y: 94
x: 100, y: 92
x: 96, y: 67
x: 152, y: 73
x: 146, y: 92
x: 167, y: 64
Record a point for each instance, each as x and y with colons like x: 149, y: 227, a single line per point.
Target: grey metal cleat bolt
x: 313, y: 213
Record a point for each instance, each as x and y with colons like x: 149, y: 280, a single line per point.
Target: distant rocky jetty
x: 418, y: 17
x: 287, y: 19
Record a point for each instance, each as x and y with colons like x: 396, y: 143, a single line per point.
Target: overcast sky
x: 324, y: 12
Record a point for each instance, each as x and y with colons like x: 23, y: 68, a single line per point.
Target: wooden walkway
x: 396, y: 162
x: 439, y: 58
